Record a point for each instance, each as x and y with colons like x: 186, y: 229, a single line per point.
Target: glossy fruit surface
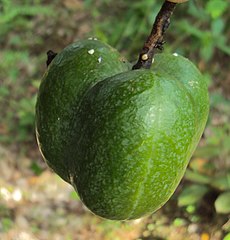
x: 71, y: 73
x: 122, y: 138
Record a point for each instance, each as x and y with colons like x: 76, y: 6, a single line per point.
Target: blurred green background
x: 34, y: 202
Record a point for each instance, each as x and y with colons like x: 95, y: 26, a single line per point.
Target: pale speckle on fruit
x: 91, y: 51
x: 99, y: 59
x: 58, y: 119
x: 193, y: 83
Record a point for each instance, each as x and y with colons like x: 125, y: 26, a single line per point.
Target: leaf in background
x: 217, y: 99
x: 190, y: 29
x: 202, y: 165
x: 221, y: 182
x: 26, y: 10
x: 196, y: 177
x: 191, y: 195
x: 36, y: 168
x: 4, y: 91
x: 208, y: 79
x: 223, y: 47
x: 216, y: 7
x: 208, y: 46
x: 7, y: 224
x: 222, y: 203
x: 197, y: 12
x: 217, y: 26
x: 209, y: 151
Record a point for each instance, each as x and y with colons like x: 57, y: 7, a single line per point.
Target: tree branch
x: 155, y: 39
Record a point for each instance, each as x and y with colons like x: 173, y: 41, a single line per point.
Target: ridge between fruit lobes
x: 72, y: 72
x: 136, y: 133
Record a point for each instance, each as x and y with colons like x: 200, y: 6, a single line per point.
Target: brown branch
x: 155, y: 40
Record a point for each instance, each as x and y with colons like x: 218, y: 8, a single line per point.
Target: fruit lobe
x: 71, y: 73
x: 122, y: 138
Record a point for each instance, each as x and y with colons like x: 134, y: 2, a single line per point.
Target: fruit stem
x: 155, y: 39
x: 50, y: 56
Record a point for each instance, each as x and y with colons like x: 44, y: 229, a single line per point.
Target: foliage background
x: 34, y: 203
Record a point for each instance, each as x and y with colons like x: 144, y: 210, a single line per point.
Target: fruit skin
x: 70, y: 74
x: 126, y: 143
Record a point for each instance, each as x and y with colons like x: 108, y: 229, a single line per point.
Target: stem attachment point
x: 155, y: 39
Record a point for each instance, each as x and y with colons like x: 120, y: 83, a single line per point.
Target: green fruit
x: 72, y: 72
x: 121, y: 137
